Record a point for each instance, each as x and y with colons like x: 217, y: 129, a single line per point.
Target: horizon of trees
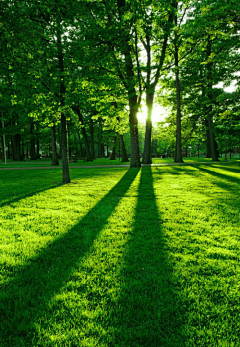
x: 74, y: 75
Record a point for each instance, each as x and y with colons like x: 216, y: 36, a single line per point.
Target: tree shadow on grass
x: 24, y: 299
x: 229, y: 179
x: 234, y: 168
x: 149, y: 310
x: 16, y: 185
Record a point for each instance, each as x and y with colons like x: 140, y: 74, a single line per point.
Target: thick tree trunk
x: 84, y: 134
x: 16, y: 145
x: 113, y: 155
x: 92, y: 139
x: 134, y: 140
x: 123, y: 149
x: 54, y: 146
x: 148, y: 133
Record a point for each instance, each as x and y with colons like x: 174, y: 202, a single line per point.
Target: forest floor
x: 142, y: 257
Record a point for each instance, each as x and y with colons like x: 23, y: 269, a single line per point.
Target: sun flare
x: 158, y: 114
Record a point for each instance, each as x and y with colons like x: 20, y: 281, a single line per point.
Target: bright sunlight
x: 158, y: 114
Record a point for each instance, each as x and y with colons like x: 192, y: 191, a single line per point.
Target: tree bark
x: 65, y: 159
x: 208, y: 143
x: 214, y: 152
x: 64, y: 138
x: 16, y: 141
x: 113, y: 155
x: 100, y: 140
x: 84, y: 134
x: 92, y: 139
x: 32, y: 143
x: 134, y: 139
x: 178, y: 149
x: 123, y: 149
x: 148, y: 133
x: 54, y: 146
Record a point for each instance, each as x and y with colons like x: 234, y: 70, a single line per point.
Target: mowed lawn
x: 121, y: 257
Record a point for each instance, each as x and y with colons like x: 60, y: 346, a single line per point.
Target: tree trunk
x: 148, y: 133
x: 113, y: 155
x: 80, y: 143
x: 225, y: 149
x: 100, y: 140
x: 84, y: 134
x: 134, y: 140
x: 54, y: 146
x: 92, y: 139
x: 123, y: 149
x: 214, y: 152
x: 32, y: 143
x: 64, y: 138
x: 65, y: 159
x: 178, y: 149
x: 16, y: 146
x: 208, y: 155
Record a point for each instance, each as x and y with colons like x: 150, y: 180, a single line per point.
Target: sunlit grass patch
x: 121, y: 257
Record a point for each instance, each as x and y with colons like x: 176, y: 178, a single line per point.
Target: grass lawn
x: 102, y: 162
x: 120, y: 257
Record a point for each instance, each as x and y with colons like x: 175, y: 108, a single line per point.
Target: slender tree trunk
x: 92, y: 139
x: 32, y: 143
x: 123, y: 149
x: 54, y: 146
x: 100, y: 140
x: 148, y: 133
x: 64, y: 137
x: 80, y: 143
x: 22, y: 153
x: 208, y: 155
x: 214, y: 152
x: 225, y: 149
x: 84, y: 134
x: 178, y: 149
x: 113, y: 155
x: 65, y: 159
x: 3, y: 159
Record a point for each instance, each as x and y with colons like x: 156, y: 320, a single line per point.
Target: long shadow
x: 24, y: 299
x: 149, y: 309
x: 229, y: 179
x: 231, y: 168
x: 27, y: 186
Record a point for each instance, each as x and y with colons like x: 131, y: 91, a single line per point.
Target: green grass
x: 102, y: 162
x: 120, y: 257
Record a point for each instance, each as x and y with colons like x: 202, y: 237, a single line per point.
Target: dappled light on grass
x: 200, y: 210
x: 148, y: 311
x: 123, y: 257
x: 26, y: 297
